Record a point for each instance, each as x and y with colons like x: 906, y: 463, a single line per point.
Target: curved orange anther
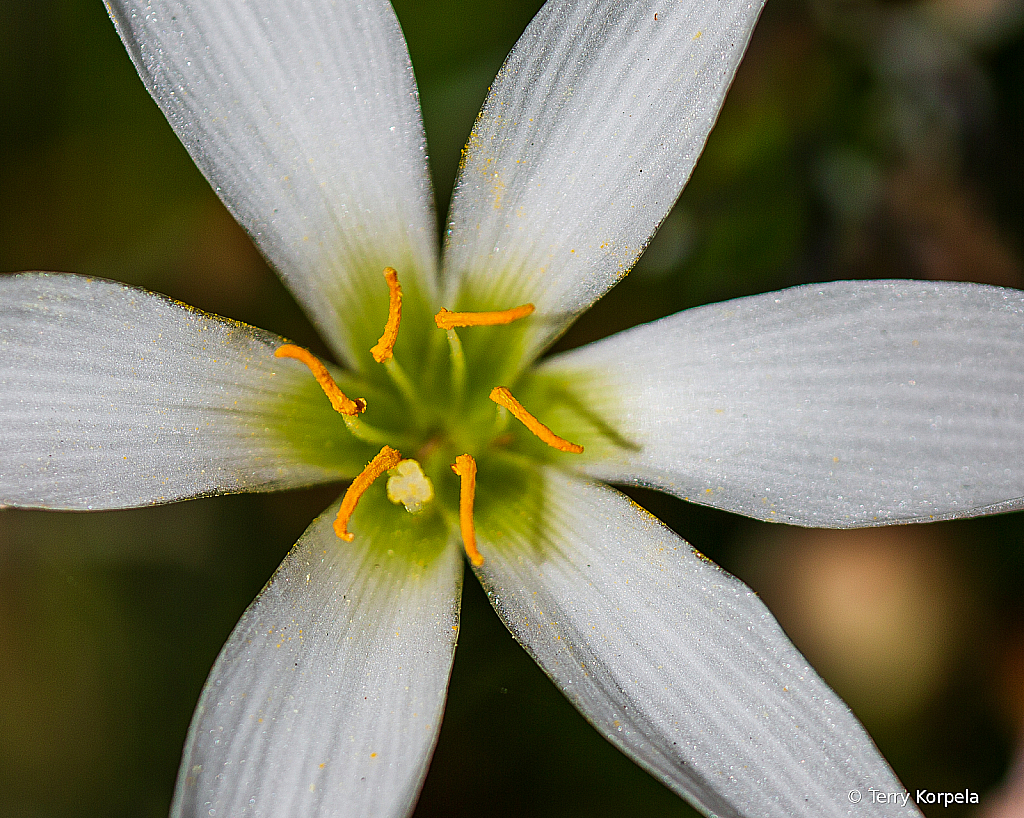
x: 465, y: 468
x: 387, y: 458
x: 501, y: 396
x: 383, y: 350
x: 449, y: 320
x: 338, y: 399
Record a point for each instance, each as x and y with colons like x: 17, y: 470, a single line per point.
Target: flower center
x: 408, y: 484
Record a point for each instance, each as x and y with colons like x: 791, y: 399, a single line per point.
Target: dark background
x: 860, y: 140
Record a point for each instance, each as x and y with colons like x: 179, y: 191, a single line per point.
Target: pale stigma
x: 409, y: 486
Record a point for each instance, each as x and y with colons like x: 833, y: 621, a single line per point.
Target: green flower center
x: 443, y: 414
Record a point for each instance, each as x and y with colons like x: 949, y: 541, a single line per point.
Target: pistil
x: 501, y: 396
x: 387, y: 458
x: 409, y: 486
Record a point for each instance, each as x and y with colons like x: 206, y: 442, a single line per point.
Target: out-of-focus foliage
x: 860, y: 140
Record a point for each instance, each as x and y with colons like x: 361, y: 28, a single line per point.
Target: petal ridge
x: 327, y: 697
x: 305, y: 119
x: 676, y: 662
x: 585, y: 141
x: 833, y: 405
x: 113, y: 397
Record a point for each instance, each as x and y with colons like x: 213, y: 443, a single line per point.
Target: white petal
x: 304, y: 116
x: 676, y: 662
x: 112, y: 397
x: 588, y: 135
x: 327, y: 698
x: 835, y: 405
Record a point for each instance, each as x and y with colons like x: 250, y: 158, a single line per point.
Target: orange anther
x: 338, y: 399
x: 387, y: 458
x: 384, y: 348
x: 449, y: 320
x: 501, y: 396
x: 465, y: 468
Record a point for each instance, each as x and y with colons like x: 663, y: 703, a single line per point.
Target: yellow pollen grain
x: 501, y: 396
x: 387, y: 458
x: 450, y: 320
x: 465, y: 467
x: 384, y: 348
x: 338, y: 399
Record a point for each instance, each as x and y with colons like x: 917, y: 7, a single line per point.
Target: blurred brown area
x: 860, y: 140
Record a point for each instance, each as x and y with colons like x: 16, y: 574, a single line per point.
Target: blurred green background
x: 860, y: 140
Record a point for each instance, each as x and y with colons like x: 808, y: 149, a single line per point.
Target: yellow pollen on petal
x: 338, y: 399
x: 384, y: 348
x: 465, y: 467
x: 449, y: 320
x: 387, y: 458
x: 501, y: 396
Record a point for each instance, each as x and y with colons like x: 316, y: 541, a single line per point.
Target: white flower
x: 838, y: 405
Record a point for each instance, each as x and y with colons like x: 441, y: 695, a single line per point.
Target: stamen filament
x: 465, y: 467
x: 361, y: 430
x: 401, y: 380
x: 458, y: 358
x: 449, y: 320
x: 501, y: 396
x: 339, y: 401
x: 387, y: 458
x: 383, y: 350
